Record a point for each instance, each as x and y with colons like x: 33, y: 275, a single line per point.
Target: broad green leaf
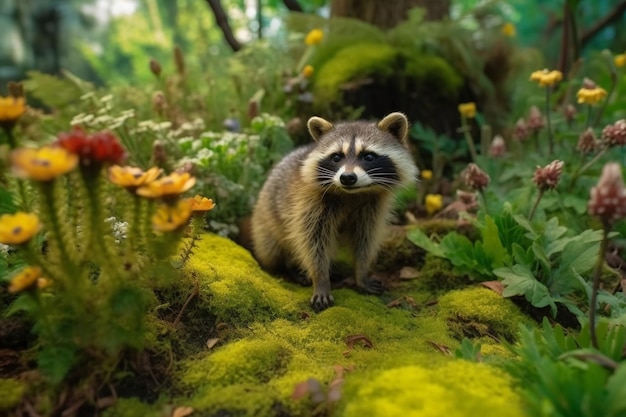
x: 419, y: 238
x: 492, y: 244
x: 55, y: 361
x: 519, y: 280
x: 616, y: 392
x: 522, y: 256
x: 540, y: 255
x: 553, y: 231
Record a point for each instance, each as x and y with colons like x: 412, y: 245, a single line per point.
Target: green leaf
x: 419, y: 238
x: 522, y: 256
x: 492, y: 245
x: 519, y: 280
x: 55, y: 361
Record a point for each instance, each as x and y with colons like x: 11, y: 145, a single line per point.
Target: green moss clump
x: 133, y: 407
x: 457, y: 389
x: 243, y: 361
x: 437, y: 274
x: 235, y: 289
x: 349, y: 64
x: 12, y: 393
x: 478, y: 311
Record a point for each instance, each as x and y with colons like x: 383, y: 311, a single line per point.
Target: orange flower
x: 171, y: 217
x: 43, y: 164
x: 18, y: 228
x: 25, y: 279
x: 132, y: 177
x: 170, y: 186
x: 199, y: 203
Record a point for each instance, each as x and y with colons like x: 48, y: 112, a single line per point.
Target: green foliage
x: 477, y: 259
x: 469, y: 350
x: 561, y: 376
x: 232, y: 166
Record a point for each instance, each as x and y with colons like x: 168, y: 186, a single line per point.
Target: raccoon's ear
x: 318, y: 127
x: 396, y: 124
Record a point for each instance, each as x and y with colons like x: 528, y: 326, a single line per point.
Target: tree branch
x: 293, y: 6
x: 222, y: 21
x: 610, y: 17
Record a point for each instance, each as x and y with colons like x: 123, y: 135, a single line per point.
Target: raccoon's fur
x: 340, y: 186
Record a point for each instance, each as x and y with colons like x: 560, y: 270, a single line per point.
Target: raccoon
x: 338, y: 188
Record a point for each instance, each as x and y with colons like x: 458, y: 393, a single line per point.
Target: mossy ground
x: 391, y: 358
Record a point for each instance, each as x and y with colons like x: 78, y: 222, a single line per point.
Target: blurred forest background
x: 110, y: 41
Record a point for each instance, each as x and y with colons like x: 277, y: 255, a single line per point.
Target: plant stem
x: 550, y: 139
x: 596, y: 284
x: 580, y: 171
x: 534, y: 208
x: 470, y: 140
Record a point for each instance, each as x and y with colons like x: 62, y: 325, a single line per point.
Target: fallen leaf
x: 495, y: 286
x: 182, y: 411
x: 408, y: 272
x: 351, y: 340
x: 210, y: 344
x: 404, y: 299
x: 442, y: 348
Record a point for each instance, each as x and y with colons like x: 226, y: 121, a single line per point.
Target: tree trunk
x: 387, y: 14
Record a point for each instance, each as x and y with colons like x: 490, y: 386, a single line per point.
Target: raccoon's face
x: 359, y: 156
x: 352, y: 166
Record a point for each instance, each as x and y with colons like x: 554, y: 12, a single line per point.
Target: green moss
x: 457, y: 389
x: 276, y: 346
x: 132, y: 407
x: 437, y: 274
x: 236, y: 290
x: 478, y: 311
x: 351, y: 63
x: 12, y: 392
x: 243, y: 361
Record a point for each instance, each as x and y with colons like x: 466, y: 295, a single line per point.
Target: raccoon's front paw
x: 321, y: 301
x: 373, y: 286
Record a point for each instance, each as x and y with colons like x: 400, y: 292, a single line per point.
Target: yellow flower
x: 433, y: 203
x: 508, y: 29
x: 307, y: 71
x: 199, y: 203
x: 426, y: 174
x: 170, y: 186
x: 25, y: 279
x: 314, y: 37
x: 11, y: 108
x: 18, y: 228
x: 468, y: 110
x: 132, y: 177
x: 546, y: 78
x: 170, y: 217
x: 620, y: 60
x: 43, y: 164
x: 591, y: 95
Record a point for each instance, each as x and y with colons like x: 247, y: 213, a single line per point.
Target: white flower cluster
x: 119, y: 229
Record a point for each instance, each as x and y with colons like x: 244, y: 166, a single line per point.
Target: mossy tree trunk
x: 387, y: 14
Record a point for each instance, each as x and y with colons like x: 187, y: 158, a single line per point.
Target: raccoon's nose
x: 349, y: 178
